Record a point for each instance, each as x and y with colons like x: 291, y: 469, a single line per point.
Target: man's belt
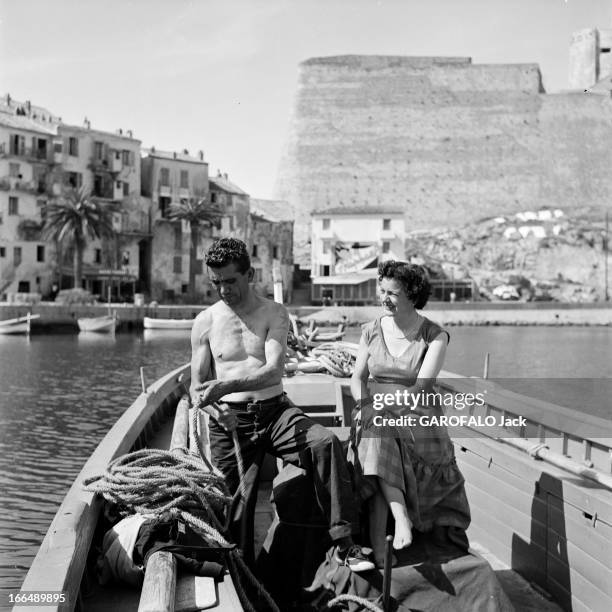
x: 255, y: 405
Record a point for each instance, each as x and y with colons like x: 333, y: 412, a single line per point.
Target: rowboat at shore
x: 150, y: 323
x: 540, y: 490
x: 19, y: 325
x: 104, y: 324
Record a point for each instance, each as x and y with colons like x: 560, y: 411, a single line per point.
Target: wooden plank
x: 576, y: 586
x: 598, y: 572
x: 180, y: 430
x: 581, y: 493
x: 571, y: 524
x: 159, y: 586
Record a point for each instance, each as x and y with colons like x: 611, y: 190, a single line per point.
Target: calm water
x: 59, y: 394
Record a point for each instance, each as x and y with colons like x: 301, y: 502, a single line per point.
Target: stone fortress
x: 448, y: 141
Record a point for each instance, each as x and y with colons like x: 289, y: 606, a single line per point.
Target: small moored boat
x: 19, y: 325
x: 150, y: 323
x: 103, y: 324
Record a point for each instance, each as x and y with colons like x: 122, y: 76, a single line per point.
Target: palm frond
x: 197, y: 212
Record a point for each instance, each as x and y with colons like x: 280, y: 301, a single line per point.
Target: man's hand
x: 210, y: 392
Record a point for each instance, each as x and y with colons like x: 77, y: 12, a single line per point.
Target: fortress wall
x: 446, y: 140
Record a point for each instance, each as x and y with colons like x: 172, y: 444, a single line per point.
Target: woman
x: 409, y: 470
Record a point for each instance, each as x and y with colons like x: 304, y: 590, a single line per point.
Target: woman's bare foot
x: 403, y: 534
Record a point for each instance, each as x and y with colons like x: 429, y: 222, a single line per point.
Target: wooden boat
x: 542, y: 518
x: 20, y: 325
x: 104, y: 324
x: 150, y: 323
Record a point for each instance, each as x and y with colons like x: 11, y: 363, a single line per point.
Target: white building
x: 345, y: 240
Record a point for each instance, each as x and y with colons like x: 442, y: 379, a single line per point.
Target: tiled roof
x: 359, y: 210
x: 273, y: 210
x: 226, y: 185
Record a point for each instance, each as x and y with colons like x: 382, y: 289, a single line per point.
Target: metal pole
x: 485, y: 374
x: 387, y: 574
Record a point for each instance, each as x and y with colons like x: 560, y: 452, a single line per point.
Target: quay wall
x: 447, y: 141
x: 56, y: 317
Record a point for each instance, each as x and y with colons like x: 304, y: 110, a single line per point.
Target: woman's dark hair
x: 226, y: 251
x: 413, y: 279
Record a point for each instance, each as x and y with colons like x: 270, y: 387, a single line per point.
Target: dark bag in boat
x: 193, y: 551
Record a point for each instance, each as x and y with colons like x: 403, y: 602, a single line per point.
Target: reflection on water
x: 59, y: 394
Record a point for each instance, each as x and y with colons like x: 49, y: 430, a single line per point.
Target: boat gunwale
x: 60, y: 562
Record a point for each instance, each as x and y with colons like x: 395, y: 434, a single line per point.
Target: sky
x: 221, y: 75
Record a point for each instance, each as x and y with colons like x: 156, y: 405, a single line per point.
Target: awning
x: 355, y: 278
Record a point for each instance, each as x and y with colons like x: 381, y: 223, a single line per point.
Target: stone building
x: 107, y: 166
x: 590, y: 59
x: 445, y: 140
x: 169, y: 177
x: 236, y: 204
x: 271, y: 244
x: 28, y: 137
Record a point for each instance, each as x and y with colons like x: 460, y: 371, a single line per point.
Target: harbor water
x: 59, y: 395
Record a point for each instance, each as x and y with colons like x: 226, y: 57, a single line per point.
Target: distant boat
x: 104, y: 324
x: 20, y: 325
x: 150, y: 323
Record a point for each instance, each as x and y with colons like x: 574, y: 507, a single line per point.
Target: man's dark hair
x: 413, y: 278
x: 226, y: 251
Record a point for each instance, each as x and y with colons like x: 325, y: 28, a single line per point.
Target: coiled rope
x: 153, y: 481
x: 365, y: 603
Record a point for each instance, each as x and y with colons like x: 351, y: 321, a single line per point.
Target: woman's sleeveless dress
x: 418, y: 460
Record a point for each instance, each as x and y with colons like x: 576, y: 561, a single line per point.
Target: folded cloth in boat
x: 192, y: 550
x: 118, y: 552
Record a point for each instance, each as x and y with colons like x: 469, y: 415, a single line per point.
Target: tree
x: 198, y: 213
x: 75, y: 218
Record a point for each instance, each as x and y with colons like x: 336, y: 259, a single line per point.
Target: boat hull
x: 20, y: 325
x: 105, y: 324
x: 150, y: 323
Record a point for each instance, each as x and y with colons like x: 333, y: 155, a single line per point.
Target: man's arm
x: 268, y: 374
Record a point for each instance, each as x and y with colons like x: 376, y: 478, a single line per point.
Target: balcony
x: 9, y: 183
x: 28, y: 153
x: 165, y: 191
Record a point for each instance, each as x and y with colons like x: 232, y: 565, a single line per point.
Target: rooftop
x: 359, y: 210
x: 174, y: 155
x: 273, y: 210
x: 221, y: 181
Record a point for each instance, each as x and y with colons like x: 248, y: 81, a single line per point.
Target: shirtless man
x: 238, y: 354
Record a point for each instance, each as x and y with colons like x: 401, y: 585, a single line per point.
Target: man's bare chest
x: 236, y: 339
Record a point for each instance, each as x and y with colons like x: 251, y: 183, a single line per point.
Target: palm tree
x: 73, y: 219
x: 198, y: 213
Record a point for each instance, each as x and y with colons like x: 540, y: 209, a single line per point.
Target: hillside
x: 545, y: 254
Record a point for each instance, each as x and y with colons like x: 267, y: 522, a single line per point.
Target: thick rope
x: 152, y: 481
x: 365, y: 603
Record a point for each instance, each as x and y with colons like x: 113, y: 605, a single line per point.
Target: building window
x: 386, y: 224
x: 126, y: 188
x: 17, y: 144
x: 98, y: 256
x: 232, y: 224
x: 14, y: 170
x: 74, y: 180
x: 127, y: 157
x: 213, y: 197
x: 164, y: 177
x: 23, y: 287
x: 58, y: 146
x: 2, y: 251
x: 254, y: 251
x: 1, y: 219
x: 178, y: 238
x: 40, y: 253
x: 274, y: 252
x: 184, y: 179
x: 178, y: 264
x: 386, y: 246
x: 326, y: 247
x: 73, y: 146
x: 326, y: 224
x: 325, y: 271
x: 16, y: 256
x: 98, y: 150
x: 258, y: 275
x: 13, y: 205
x: 164, y: 205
